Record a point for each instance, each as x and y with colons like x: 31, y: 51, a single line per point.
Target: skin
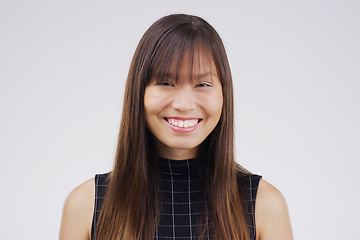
x: 198, y: 99
x: 78, y: 212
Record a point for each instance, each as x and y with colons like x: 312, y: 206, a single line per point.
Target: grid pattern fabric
x: 250, y: 185
x: 183, y: 200
x: 101, y: 183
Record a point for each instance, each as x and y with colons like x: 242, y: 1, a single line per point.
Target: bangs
x: 185, y: 48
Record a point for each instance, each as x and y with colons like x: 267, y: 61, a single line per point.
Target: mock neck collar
x: 178, y: 167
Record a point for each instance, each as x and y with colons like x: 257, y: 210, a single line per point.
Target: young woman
x: 174, y: 175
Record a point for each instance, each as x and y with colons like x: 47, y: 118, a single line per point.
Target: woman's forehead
x: 194, y: 66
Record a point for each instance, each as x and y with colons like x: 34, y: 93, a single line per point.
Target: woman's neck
x: 175, y: 153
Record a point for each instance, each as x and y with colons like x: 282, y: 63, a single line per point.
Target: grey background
x: 295, y: 66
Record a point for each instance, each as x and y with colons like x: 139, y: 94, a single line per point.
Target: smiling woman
x: 181, y: 114
x: 175, y: 176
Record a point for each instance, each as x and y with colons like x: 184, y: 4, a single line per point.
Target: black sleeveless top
x: 183, y: 200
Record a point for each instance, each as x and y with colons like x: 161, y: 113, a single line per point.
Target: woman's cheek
x: 212, y: 103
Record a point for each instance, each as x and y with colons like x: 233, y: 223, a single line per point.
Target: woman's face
x: 182, y: 114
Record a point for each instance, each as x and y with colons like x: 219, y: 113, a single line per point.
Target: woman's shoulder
x: 78, y: 212
x: 84, y: 193
x: 271, y: 213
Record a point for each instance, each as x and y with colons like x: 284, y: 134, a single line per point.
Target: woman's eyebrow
x: 165, y: 75
x: 170, y: 76
x: 204, y: 75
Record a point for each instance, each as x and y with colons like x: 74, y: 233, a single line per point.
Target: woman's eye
x: 165, y: 84
x: 204, y: 84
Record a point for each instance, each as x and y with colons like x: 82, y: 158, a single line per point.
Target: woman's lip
x: 183, y: 129
x: 182, y: 118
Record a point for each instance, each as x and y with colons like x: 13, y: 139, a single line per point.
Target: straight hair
x: 131, y: 205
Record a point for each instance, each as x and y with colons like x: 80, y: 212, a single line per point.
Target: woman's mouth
x: 183, y: 125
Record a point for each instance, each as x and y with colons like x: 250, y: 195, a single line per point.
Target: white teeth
x: 182, y: 124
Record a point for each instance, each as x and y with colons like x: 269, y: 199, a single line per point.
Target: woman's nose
x: 184, y: 99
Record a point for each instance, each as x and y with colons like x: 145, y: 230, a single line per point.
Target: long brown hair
x: 130, y: 209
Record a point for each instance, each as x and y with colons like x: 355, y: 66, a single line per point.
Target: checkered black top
x: 183, y: 200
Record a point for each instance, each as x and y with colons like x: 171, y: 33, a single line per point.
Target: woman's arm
x: 271, y: 214
x: 78, y: 213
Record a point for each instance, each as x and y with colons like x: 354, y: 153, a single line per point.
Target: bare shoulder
x: 78, y: 212
x: 271, y: 214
